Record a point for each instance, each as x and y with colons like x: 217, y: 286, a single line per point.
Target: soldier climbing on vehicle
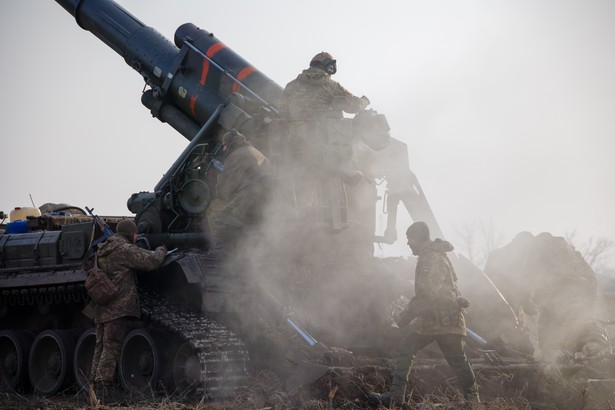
x: 242, y: 187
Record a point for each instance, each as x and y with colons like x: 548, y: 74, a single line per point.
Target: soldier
x: 319, y: 144
x: 437, y: 308
x: 314, y: 105
x: 314, y: 95
x: 119, y: 257
x: 242, y: 187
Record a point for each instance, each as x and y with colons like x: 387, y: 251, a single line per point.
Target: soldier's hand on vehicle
x: 365, y: 101
x: 463, y: 303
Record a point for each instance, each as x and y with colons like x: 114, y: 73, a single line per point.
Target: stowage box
x: 30, y: 249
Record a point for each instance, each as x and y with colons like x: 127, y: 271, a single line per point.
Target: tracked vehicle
x: 210, y: 318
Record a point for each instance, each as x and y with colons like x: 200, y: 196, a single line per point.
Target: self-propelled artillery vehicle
x: 209, y: 318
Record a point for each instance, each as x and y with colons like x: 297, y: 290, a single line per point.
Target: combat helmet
x: 126, y: 228
x: 418, y: 232
x: 325, y: 61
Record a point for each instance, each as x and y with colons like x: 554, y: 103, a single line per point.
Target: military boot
x: 98, y: 388
x: 111, y: 394
x: 90, y: 395
x: 388, y: 399
x: 472, y: 401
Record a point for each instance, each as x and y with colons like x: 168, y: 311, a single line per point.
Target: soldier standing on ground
x: 437, y: 310
x: 120, y: 258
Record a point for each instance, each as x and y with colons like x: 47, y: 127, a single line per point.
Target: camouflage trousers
x: 109, y: 338
x: 451, y: 346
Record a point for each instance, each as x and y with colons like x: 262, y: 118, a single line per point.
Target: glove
x: 365, y: 101
x: 462, y: 302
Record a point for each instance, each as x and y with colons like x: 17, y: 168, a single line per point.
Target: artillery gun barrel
x: 143, y: 48
x: 188, y: 79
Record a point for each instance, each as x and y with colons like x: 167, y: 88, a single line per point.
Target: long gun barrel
x: 190, y: 85
x: 188, y: 79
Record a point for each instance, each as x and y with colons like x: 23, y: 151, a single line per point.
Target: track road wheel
x: 82, y: 362
x: 186, y: 369
x: 141, y: 363
x: 51, y: 361
x: 14, y: 350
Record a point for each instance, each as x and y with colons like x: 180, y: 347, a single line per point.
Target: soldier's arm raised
x: 141, y: 259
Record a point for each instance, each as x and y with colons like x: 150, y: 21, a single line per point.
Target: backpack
x: 99, y: 285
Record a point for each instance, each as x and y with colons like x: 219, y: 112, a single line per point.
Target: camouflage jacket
x: 120, y: 259
x: 436, y: 291
x: 241, y: 183
x: 314, y: 95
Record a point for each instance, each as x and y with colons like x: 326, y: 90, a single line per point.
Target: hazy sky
x: 507, y: 107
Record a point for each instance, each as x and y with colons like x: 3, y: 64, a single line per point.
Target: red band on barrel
x: 242, y: 75
x: 210, y: 53
x: 193, y: 104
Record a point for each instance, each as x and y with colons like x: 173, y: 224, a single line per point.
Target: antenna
x: 31, y: 200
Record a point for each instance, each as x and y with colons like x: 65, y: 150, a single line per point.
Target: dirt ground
x: 515, y: 386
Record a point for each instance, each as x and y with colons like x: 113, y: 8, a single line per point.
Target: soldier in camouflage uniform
x: 314, y: 104
x: 437, y: 308
x: 119, y: 257
x: 319, y: 141
x: 242, y: 187
x: 314, y: 95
